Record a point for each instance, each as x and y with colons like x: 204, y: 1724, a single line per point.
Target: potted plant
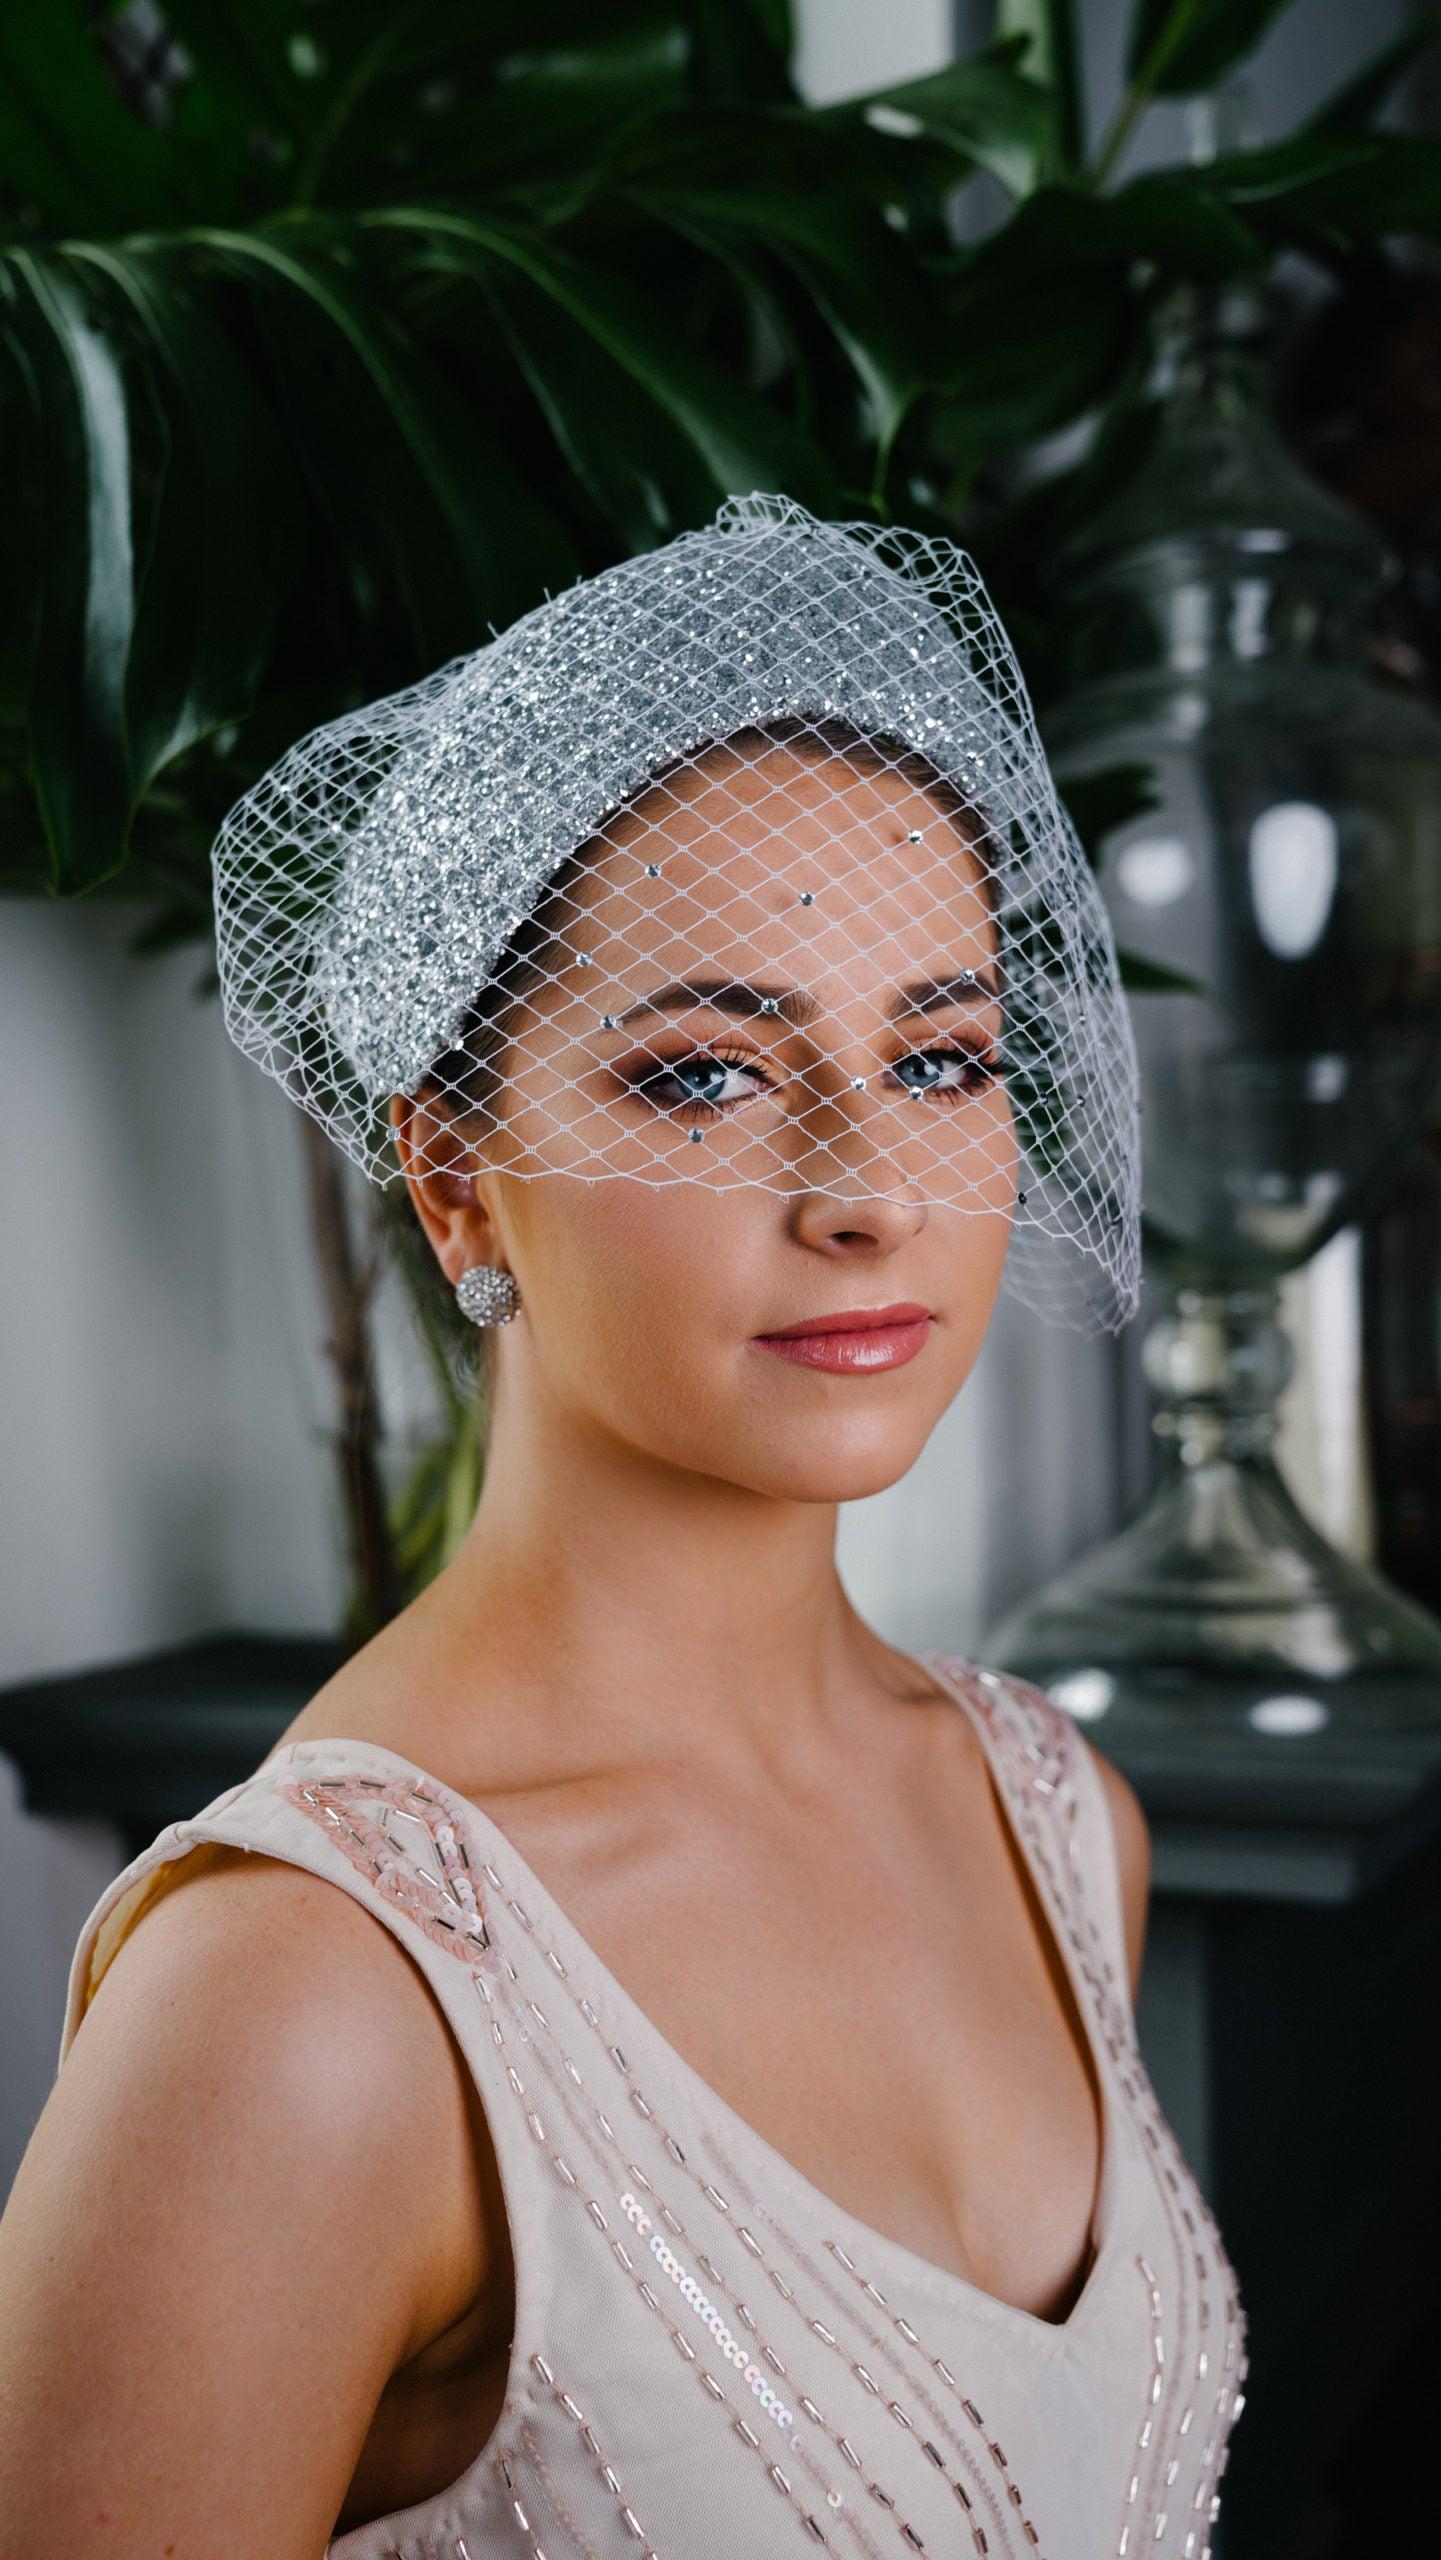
x: 334, y: 336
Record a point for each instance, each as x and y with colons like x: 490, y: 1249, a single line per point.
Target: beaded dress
x: 711, y: 2360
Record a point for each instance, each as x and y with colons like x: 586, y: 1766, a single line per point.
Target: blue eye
x: 698, y: 1081
x: 712, y: 1069
x: 976, y: 1072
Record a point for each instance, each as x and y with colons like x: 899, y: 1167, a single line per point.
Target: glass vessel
x: 1276, y: 885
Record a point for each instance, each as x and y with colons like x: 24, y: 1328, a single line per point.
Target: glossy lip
x: 852, y: 1320
x: 858, y: 1342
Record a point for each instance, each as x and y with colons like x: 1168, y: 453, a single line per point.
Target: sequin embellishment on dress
x: 444, y: 1906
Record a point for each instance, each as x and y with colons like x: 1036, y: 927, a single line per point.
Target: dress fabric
x: 712, y: 2361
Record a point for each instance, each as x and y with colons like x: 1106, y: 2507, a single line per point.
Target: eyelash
x: 983, y: 1069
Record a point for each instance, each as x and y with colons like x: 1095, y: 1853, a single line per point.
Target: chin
x: 821, y: 1467
x: 736, y: 1432
x: 837, y: 1484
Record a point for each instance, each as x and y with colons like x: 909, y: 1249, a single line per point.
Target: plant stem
x: 362, y: 71
x: 348, y: 1347
x: 1138, y: 95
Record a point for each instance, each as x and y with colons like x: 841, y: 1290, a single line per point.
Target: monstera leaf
x: 335, y: 333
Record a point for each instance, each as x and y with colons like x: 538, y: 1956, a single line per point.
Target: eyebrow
x: 751, y: 997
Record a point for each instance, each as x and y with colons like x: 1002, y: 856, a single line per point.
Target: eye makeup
x: 659, y: 1080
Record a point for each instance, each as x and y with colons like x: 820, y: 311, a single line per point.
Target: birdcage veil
x: 790, y: 761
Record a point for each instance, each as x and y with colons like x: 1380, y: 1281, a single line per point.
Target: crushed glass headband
x: 739, y: 863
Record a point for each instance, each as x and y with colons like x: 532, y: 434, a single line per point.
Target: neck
x: 624, y: 1607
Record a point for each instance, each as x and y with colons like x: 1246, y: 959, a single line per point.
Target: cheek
x: 981, y: 1253
x: 629, y: 1278
x: 965, y: 1264
x: 643, y: 1295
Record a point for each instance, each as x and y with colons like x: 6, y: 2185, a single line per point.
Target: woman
x: 733, y: 2137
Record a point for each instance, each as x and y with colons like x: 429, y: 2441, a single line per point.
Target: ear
x: 445, y: 1183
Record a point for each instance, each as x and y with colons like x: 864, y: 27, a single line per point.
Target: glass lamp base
x: 1220, y: 1605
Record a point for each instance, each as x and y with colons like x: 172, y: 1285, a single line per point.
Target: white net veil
x: 739, y: 863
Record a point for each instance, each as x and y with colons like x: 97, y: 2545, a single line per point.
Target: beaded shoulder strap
x: 395, y: 1841
x: 1056, y: 1789
x: 418, y: 1865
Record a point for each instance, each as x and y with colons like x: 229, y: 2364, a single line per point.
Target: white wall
x: 157, y: 1384
x: 847, y: 46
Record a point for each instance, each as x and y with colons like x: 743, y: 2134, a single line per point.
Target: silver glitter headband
x: 777, y: 750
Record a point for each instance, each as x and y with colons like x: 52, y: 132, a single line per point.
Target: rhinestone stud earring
x: 487, y: 1294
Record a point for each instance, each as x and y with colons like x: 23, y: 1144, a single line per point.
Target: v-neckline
x: 920, y: 2274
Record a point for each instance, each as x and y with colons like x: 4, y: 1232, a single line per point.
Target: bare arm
x: 251, y: 2195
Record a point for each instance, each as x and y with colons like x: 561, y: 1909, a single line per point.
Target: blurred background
x: 331, y: 339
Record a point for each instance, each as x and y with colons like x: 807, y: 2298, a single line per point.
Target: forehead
x: 787, y: 856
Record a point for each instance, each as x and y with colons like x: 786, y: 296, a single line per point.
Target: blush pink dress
x: 711, y: 2360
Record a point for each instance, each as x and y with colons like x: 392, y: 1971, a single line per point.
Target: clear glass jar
x: 1277, y: 884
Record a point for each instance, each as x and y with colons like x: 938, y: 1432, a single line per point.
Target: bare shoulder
x: 1133, y: 1853
x: 306, y: 2005
x: 250, y: 2198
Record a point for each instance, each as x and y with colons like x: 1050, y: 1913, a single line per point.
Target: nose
x: 838, y: 1222
x: 856, y: 1192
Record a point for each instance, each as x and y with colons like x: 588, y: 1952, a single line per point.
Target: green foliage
x: 433, y: 1505
x: 1178, y: 47
x: 1098, y: 803
x: 1369, y: 89
x: 989, y: 110
x: 1048, y: 29
x: 367, y: 326
x: 350, y: 329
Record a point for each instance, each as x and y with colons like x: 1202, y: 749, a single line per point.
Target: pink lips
x: 854, y: 1338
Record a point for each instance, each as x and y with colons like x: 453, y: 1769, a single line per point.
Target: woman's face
x: 643, y: 1301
